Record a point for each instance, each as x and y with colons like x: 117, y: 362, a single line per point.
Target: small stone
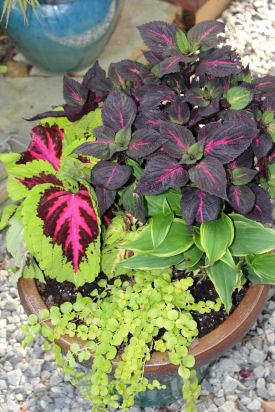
x: 14, y: 377
x: 229, y: 365
x: 255, y: 405
x: 260, y: 383
x: 3, y: 385
x: 11, y: 305
x: 229, y: 385
x: 220, y: 393
x: 271, y: 389
x: 259, y: 371
x: 228, y: 406
x: 272, y: 321
x: 257, y: 357
x: 270, y: 337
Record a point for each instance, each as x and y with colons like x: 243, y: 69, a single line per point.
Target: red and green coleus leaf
x: 119, y: 110
x: 178, y: 111
x: 103, y: 148
x: 241, y: 198
x: 226, y: 141
x: 158, y: 35
x: 23, y: 177
x: 133, y: 202
x: 161, y: 173
x: 46, y: 145
x: 110, y: 175
x: 178, y: 139
x: 206, y: 33
x: 198, y: 206
x: 144, y: 142
x: 209, y: 175
x: 62, y: 231
x: 219, y: 63
x: 262, y: 208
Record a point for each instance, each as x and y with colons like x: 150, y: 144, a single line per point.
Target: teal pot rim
x: 205, y: 349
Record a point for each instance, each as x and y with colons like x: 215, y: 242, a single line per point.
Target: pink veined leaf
x: 157, y: 35
x: 219, y: 63
x: 262, y: 209
x: 206, y: 33
x: 70, y: 221
x: 46, y: 145
x: 42, y: 178
x: 75, y: 94
x: 144, y: 141
x: 178, y: 139
x: 209, y: 175
x: 198, y: 205
x: 110, y: 175
x: 160, y: 174
x: 241, y: 198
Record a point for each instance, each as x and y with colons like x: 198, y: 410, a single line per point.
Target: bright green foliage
x: 238, y: 97
x: 216, y: 236
x: 161, y: 224
x: 152, y: 302
x: 7, y: 214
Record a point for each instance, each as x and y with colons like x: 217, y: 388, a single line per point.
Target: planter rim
x: 205, y: 349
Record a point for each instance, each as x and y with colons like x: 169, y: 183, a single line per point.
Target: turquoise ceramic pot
x: 68, y: 37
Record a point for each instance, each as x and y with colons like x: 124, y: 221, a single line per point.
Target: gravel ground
x: 29, y: 379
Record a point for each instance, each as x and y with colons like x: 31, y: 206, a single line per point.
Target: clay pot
x: 205, y: 350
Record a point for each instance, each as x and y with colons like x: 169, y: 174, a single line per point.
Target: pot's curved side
x: 206, y: 349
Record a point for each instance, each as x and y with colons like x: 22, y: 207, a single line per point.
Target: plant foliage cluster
x: 169, y: 164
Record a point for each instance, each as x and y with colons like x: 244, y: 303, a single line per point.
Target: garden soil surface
x: 55, y: 293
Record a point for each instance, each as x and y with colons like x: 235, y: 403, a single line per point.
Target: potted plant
x: 139, y: 205
x: 59, y: 36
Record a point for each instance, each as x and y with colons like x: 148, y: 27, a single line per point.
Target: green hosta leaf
x: 15, y: 241
x: 7, y: 214
x: 257, y: 278
x: 133, y: 203
x: 250, y: 237
x: 155, y: 203
x: 225, y: 280
x: 216, y: 236
x: 160, y: 226
x: 228, y: 259
x: 177, y: 241
x: 191, y: 257
x: 146, y: 261
x: 264, y: 266
x: 238, y: 97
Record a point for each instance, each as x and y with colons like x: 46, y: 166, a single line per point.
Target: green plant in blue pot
x: 141, y: 202
x: 59, y: 36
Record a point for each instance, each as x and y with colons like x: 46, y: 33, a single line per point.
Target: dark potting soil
x: 55, y: 293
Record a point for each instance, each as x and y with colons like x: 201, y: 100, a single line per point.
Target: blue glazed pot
x: 68, y: 37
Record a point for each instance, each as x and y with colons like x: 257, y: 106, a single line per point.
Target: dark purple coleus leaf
x: 241, y: 198
x: 131, y: 70
x: 209, y: 175
x: 262, y: 144
x: 105, y: 198
x: 110, y: 175
x: 30, y: 182
x: 219, y: 62
x: 158, y: 35
x: 266, y: 84
x: 226, y: 141
x: 198, y: 205
x: 95, y: 80
x: 269, y: 102
x: 206, y: 33
x: 150, y: 118
x: 46, y: 145
x: 242, y: 116
x: 119, y: 110
x: 144, y: 142
x: 75, y: 94
x: 178, y: 111
x: 244, y: 160
x: 152, y: 57
x: 74, y: 113
x: 70, y: 221
x: 178, y: 139
x: 152, y: 96
x: 161, y: 173
x: 171, y: 64
x: 212, y: 108
x: 195, y: 117
x: 195, y: 97
x: 103, y: 148
x: 262, y: 209
x: 133, y: 202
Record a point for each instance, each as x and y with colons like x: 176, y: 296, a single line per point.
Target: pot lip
x: 205, y: 349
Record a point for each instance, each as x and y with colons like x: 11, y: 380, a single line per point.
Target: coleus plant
x: 191, y: 128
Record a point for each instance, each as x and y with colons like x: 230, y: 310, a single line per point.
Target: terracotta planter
x: 205, y: 350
